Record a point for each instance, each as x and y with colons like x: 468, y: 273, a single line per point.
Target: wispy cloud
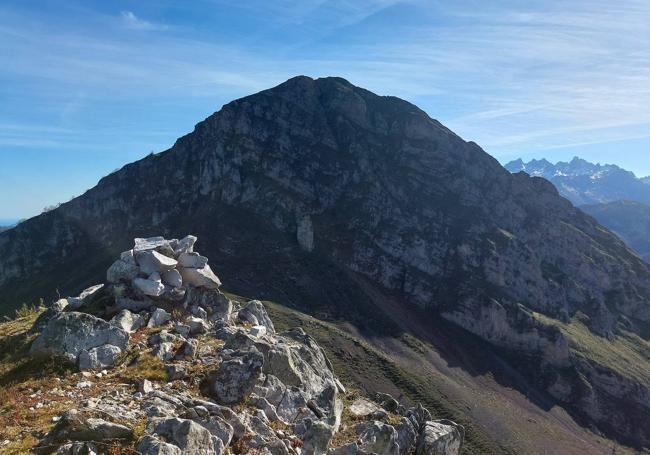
x: 133, y: 22
x: 509, y: 75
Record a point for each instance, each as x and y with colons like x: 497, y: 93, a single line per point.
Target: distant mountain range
x: 614, y: 196
x: 583, y: 182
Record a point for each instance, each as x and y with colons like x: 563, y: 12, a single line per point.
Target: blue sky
x: 87, y: 86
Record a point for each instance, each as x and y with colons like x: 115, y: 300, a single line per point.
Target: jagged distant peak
x: 584, y: 182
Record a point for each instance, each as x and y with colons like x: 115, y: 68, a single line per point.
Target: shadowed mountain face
x: 321, y: 194
x: 628, y: 219
x: 583, y: 182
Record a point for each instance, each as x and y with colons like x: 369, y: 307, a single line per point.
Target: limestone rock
x: 363, y: 408
x: 440, y: 438
x: 150, y: 445
x: 70, y: 333
x: 203, y: 277
x: 122, y: 271
x: 297, y: 360
x: 151, y: 243
x: 379, y: 438
x: 188, y: 436
x: 185, y: 245
x: 75, y: 426
x: 192, y: 260
x: 305, y: 233
x: 258, y: 331
x: 149, y: 286
x: 158, y: 318
x: 172, y: 278
x: 235, y: 378
x: 99, y: 357
x: 317, y: 437
x: 255, y: 313
x: 127, y: 321
x: 86, y: 295
x: 151, y: 261
x: 197, y: 325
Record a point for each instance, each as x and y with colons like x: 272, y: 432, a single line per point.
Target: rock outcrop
x: 233, y: 383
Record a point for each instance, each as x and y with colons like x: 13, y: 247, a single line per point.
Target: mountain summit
x: 322, y: 194
x: 584, y: 183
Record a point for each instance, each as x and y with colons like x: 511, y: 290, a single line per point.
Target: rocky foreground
x: 216, y: 376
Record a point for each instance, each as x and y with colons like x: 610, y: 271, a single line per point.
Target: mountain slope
x: 583, y: 182
x: 630, y: 220
x: 322, y: 195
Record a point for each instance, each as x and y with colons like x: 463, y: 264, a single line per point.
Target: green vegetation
x: 627, y: 353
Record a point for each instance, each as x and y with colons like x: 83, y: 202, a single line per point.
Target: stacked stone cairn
x: 260, y: 392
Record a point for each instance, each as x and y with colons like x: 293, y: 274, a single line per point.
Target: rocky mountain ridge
x: 232, y: 383
x: 317, y: 182
x: 585, y: 183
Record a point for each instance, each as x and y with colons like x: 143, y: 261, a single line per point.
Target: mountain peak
x: 359, y: 206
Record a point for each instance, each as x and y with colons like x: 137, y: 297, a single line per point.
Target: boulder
x: 185, y: 245
x: 70, y: 333
x: 182, y: 329
x: 219, y: 428
x: 188, y: 350
x: 145, y: 386
x: 378, y: 438
x: 151, y: 243
x: 127, y: 321
x: 441, y: 437
x: 122, y: 271
x: 297, y: 360
x: 172, y: 278
x: 158, y: 318
x: 257, y: 331
x: 128, y: 256
x: 235, y: 378
x: 406, y: 436
x: 189, y: 436
x: 197, y: 325
x: 150, y: 445
x: 99, y: 357
x: 199, y: 312
x: 175, y: 372
x: 255, y: 313
x: 151, y: 261
x: 387, y: 402
x: 75, y: 426
x: 192, y: 260
x: 363, y: 408
x: 82, y: 299
x: 151, y: 286
x: 164, y: 351
x: 218, y: 306
x: 317, y: 437
x: 201, y: 278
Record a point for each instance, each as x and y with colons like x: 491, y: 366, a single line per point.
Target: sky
x: 88, y: 86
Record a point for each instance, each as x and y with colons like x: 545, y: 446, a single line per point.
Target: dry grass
x: 143, y: 366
